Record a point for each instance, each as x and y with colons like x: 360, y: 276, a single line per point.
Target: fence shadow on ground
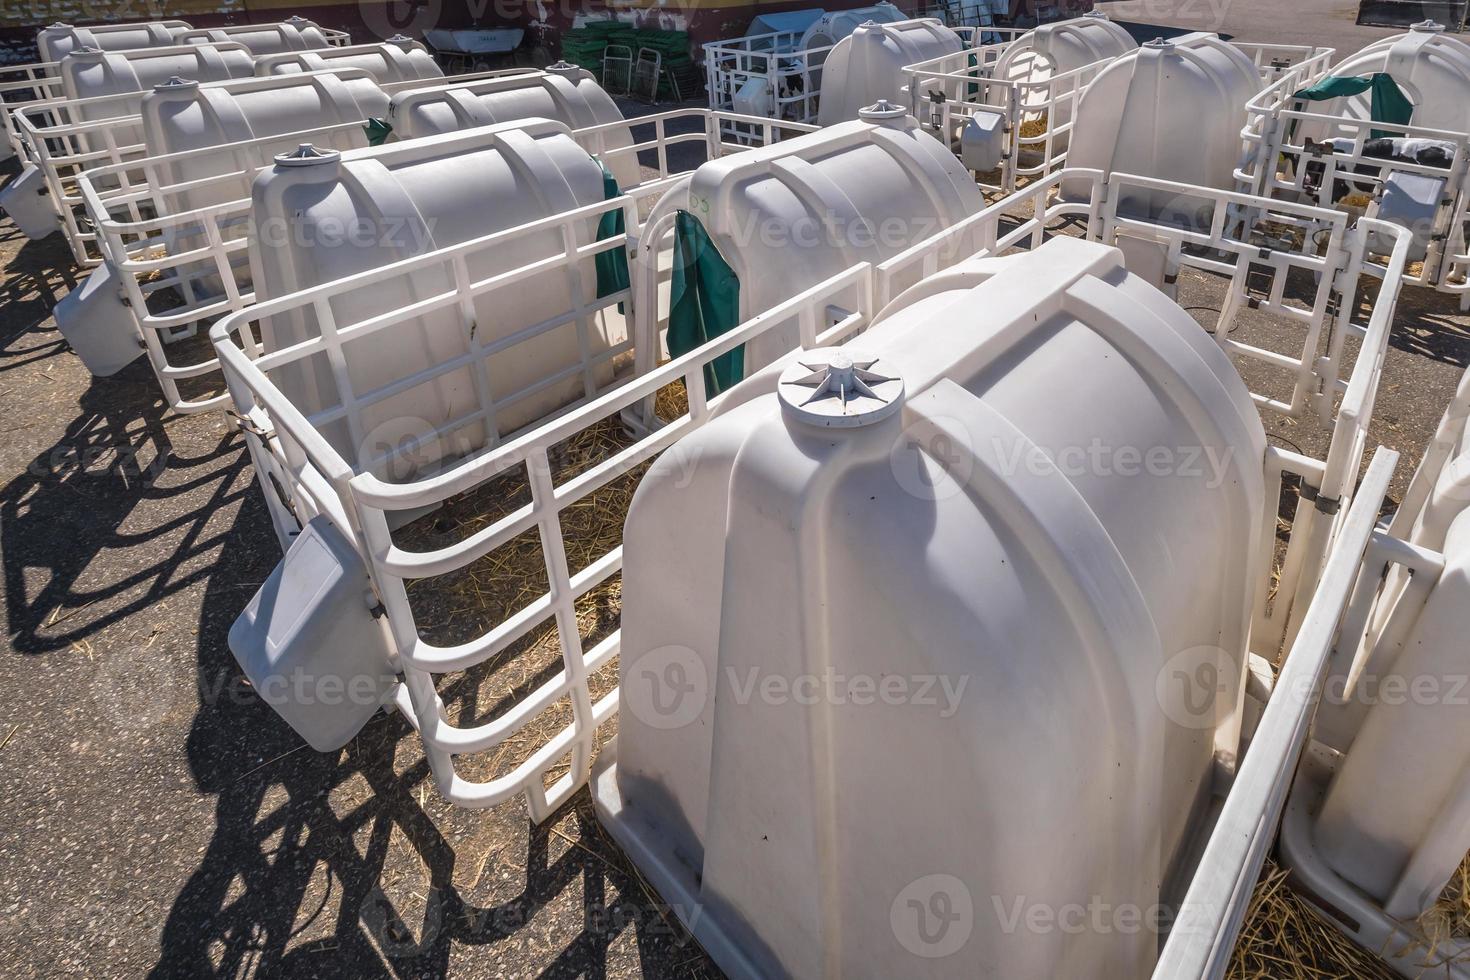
x: 350, y: 864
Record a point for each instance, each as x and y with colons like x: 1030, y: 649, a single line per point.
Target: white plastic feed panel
x: 341, y: 215
x: 311, y: 644
x: 395, y: 60
x: 1172, y: 110
x: 59, y: 40
x: 26, y: 200
x: 867, y: 66
x: 1430, y: 66
x: 563, y: 92
x: 955, y: 538
x: 791, y: 215
x: 295, y: 34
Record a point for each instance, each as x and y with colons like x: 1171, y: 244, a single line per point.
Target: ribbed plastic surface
x: 941, y: 663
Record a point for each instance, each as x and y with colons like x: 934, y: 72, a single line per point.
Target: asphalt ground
x: 156, y: 819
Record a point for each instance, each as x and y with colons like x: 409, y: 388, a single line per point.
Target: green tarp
x: 612, y: 264
x: 1388, y: 104
x: 377, y: 131
x: 704, y: 301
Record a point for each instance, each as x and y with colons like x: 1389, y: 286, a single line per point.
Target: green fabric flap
x: 704, y: 302
x: 377, y: 131
x: 611, y: 265
x: 1387, y: 104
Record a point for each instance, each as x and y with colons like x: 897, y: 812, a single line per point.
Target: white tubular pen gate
x: 944, y: 93
x: 21, y: 85
x: 172, y: 291
x: 1276, y: 161
x: 304, y: 477
x: 64, y: 138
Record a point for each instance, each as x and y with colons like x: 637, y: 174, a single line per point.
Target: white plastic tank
x: 1431, y: 67
x: 293, y: 34
x: 59, y: 40
x: 790, y: 215
x: 322, y: 215
x: 902, y: 644
x: 398, y: 59
x: 1173, y: 110
x: 867, y: 66
x: 563, y: 92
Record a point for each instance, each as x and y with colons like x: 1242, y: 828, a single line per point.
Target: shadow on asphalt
x: 115, y: 459
x: 1424, y: 324
x: 31, y: 280
x: 304, y: 842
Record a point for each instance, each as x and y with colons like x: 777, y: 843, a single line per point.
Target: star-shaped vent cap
x: 837, y: 388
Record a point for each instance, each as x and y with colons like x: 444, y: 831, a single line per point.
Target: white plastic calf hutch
x: 98, y: 89
x: 1386, y: 133
x: 1171, y: 110
x: 1010, y: 114
x: 417, y: 197
x: 59, y: 40
x: 90, y: 74
x: 866, y: 67
x: 65, y: 139
x: 776, y: 74
x: 399, y: 59
x: 292, y: 34
x: 563, y: 92
x: 827, y: 536
x: 26, y: 83
x: 205, y: 143
x: 782, y: 218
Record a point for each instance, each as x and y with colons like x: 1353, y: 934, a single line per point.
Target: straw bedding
x: 457, y: 607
